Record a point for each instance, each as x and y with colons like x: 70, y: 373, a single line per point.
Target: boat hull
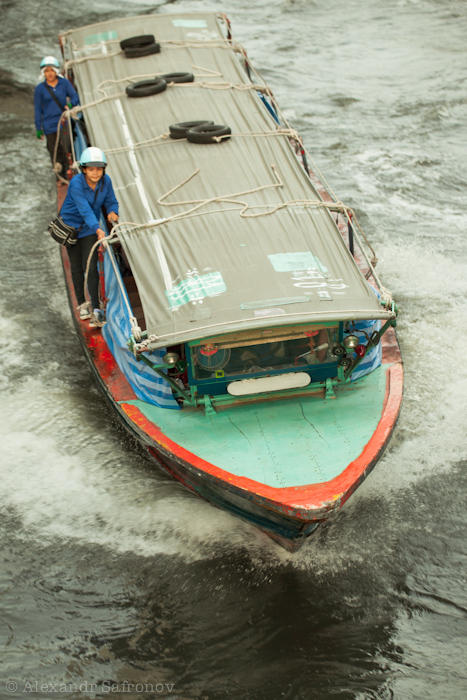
x: 288, y: 515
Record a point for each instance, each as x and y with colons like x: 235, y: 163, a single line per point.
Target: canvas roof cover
x: 229, y: 259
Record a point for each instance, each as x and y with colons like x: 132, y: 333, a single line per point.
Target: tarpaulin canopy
x: 239, y: 237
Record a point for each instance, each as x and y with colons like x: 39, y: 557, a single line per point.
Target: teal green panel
x: 196, y: 287
x: 98, y: 38
x: 283, y: 443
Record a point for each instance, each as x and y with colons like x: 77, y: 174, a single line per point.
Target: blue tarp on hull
x: 146, y: 384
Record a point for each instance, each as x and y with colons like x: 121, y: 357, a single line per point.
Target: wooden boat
x: 249, y: 343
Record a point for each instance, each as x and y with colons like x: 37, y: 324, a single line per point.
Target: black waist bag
x: 62, y: 233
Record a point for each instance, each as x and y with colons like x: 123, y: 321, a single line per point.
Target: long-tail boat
x: 249, y: 342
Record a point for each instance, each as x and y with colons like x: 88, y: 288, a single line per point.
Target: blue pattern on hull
x: 146, y: 384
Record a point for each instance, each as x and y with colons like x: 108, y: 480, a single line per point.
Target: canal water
x: 115, y: 581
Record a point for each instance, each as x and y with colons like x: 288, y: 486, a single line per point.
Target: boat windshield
x: 218, y: 360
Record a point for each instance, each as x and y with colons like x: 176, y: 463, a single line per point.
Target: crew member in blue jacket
x: 87, y: 193
x: 51, y: 98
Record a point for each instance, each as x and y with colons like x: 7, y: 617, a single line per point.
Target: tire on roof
x: 179, y: 131
x: 146, y: 87
x: 207, y: 133
x: 139, y: 51
x: 134, y: 41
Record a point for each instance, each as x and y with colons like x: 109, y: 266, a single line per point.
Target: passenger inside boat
x: 313, y: 349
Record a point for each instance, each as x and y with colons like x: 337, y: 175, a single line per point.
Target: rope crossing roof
x: 221, y: 237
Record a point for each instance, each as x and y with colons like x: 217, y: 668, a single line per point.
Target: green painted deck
x: 290, y: 442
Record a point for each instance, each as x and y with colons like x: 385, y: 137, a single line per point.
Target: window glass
x: 212, y: 361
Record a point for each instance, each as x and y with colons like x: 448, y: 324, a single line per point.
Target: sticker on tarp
x: 200, y: 312
x: 274, y: 302
x: 290, y: 262
x: 310, y: 280
x: 99, y: 38
x: 195, y: 288
x: 192, y: 23
x: 262, y: 313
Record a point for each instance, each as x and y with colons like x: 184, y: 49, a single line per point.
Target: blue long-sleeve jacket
x: 46, y: 110
x: 82, y: 207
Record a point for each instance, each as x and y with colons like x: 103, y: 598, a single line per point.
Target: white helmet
x: 94, y: 157
x: 50, y: 62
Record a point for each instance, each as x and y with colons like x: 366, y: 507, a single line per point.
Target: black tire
x: 135, y: 41
x: 139, y: 51
x: 207, y: 132
x: 179, y: 131
x: 146, y: 88
x: 178, y: 78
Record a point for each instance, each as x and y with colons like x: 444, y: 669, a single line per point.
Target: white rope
x: 168, y: 43
x: 228, y: 199
x: 244, y: 207
x: 135, y: 78
x: 225, y: 85
x: 74, y: 61
x: 220, y: 198
x: 80, y: 108
x: 204, y: 85
x: 209, y: 71
x: 143, y: 345
x: 164, y: 138
x: 129, y: 78
x: 136, y: 146
x: 193, y: 44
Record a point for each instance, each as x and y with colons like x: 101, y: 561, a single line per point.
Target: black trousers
x: 79, y: 254
x: 61, y: 153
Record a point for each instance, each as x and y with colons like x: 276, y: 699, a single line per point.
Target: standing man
x: 51, y: 98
